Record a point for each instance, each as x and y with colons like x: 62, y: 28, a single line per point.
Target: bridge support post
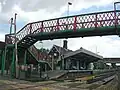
x: 13, y: 65
x: 25, y: 57
x: 3, y: 63
x: 25, y: 62
x: 63, y: 64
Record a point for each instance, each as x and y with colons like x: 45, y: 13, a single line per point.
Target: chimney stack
x: 65, y: 44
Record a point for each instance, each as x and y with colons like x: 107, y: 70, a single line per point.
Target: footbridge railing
x: 91, y: 20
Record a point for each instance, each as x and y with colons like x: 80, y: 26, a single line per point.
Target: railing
x: 34, y: 51
x: 92, y: 20
x: 9, y: 39
x: 36, y: 54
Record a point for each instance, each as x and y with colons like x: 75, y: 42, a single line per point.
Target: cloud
x: 49, y: 43
x: 2, y: 37
x: 37, y: 10
x: 32, y: 5
x: 49, y: 5
x: 46, y: 6
x: 106, y: 46
x: 34, y: 10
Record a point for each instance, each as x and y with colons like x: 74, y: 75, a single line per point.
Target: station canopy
x: 83, y: 55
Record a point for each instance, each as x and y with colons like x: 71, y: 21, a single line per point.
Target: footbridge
x: 84, y: 25
x: 111, y: 60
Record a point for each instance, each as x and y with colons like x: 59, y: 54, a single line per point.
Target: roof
x: 61, y: 50
x: 83, y: 54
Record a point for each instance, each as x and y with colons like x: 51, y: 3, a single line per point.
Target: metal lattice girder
x: 92, y: 20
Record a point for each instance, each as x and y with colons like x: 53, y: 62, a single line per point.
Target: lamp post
x: 115, y: 11
x: 69, y: 3
x: 115, y: 5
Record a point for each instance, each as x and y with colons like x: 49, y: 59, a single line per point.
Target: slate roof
x: 62, y: 50
x: 81, y: 52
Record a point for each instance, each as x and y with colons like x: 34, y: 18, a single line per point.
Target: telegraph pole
x: 16, y: 56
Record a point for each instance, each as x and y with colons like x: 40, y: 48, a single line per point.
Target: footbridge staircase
x: 84, y: 25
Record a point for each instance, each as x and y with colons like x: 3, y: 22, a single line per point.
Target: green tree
x: 99, y: 65
x: 44, y: 50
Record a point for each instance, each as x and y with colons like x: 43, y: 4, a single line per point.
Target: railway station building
x: 66, y: 59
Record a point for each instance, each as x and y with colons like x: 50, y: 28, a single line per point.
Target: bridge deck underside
x: 83, y: 32
x: 111, y: 60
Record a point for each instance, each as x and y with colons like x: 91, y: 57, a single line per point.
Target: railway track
x: 102, y: 78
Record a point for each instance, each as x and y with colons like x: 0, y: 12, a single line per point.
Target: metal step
x: 27, y: 41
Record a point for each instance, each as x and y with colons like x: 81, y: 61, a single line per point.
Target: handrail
x: 35, y: 53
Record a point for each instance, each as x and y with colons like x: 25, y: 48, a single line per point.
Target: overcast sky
x: 37, y: 10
